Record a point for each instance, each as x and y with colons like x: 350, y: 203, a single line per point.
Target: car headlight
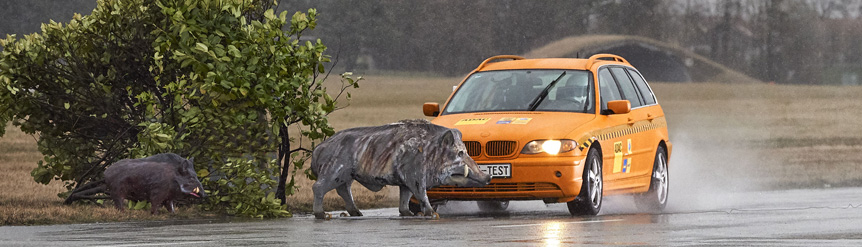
x: 549, y: 146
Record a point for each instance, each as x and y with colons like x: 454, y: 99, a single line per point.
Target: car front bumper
x: 533, y: 178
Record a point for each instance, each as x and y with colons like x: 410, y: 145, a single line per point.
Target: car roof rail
x: 498, y: 57
x: 593, y: 59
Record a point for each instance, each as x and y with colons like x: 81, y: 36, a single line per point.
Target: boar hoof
x: 322, y: 216
x: 343, y: 214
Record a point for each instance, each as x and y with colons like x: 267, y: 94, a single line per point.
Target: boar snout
x: 480, y: 176
x: 468, y: 176
x: 196, y: 191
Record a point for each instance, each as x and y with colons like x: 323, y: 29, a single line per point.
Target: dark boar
x: 412, y: 154
x: 159, y: 179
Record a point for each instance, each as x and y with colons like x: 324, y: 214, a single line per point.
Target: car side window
x: 608, y: 88
x: 626, y: 86
x: 646, y: 93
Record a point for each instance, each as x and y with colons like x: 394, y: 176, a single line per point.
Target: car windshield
x: 515, y: 90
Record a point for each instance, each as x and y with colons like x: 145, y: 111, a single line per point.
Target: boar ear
x: 185, y: 167
x: 192, y: 160
x: 448, y: 138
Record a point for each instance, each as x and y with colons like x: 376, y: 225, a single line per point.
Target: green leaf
x: 66, y: 105
x: 141, y: 205
x: 201, y: 47
x: 203, y: 173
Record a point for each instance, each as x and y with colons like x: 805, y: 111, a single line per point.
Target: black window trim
x: 640, y: 96
x: 655, y: 99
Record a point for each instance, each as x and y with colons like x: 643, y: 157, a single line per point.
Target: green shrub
x: 217, y: 80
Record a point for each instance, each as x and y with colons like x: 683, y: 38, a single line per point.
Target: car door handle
x: 631, y: 121
x: 650, y: 117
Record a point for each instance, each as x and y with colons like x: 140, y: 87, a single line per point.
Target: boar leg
x: 154, y: 208
x: 169, y: 205
x: 344, y: 192
x: 320, y: 188
x: 156, y: 202
x: 119, y: 198
x: 419, y: 193
x: 404, y: 205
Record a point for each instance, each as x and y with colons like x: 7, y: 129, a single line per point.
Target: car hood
x: 514, y: 126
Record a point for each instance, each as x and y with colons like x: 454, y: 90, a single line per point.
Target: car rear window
x: 648, y: 97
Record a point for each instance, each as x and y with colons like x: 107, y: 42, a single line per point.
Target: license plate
x: 497, y: 170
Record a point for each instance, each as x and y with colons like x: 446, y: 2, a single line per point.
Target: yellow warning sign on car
x: 469, y: 121
x: 522, y: 120
x: 513, y: 120
x: 621, y: 164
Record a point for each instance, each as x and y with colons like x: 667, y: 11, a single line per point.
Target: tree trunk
x: 283, y: 160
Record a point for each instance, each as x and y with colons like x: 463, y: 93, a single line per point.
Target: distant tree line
x: 784, y: 41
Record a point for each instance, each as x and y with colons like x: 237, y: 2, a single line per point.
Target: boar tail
x: 86, y: 191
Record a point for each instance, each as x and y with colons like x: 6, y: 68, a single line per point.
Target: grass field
x: 726, y: 137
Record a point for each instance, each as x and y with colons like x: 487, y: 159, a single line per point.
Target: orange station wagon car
x: 559, y: 130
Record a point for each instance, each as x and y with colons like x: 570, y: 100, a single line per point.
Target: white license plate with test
x: 497, y: 170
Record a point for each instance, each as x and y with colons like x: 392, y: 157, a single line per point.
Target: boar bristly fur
x: 413, y: 154
x: 160, y: 179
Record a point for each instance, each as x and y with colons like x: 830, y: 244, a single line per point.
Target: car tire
x: 492, y: 206
x: 655, y: 199
x: 414, y: 207
x: 589, y: 200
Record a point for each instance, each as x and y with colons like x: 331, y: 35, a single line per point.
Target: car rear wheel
x: 589, y: 201
x: 655, y: 199
x: 492, y: 206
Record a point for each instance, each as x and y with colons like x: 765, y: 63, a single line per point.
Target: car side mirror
x: 431, y: 109
x: 620, y: 106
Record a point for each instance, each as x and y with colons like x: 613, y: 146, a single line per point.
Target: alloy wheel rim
x: 661, y: 178
x: 596, y: 182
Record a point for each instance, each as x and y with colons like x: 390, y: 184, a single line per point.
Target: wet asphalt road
x: 818, y: 217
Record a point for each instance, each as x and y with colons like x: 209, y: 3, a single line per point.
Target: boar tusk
x: 466, y: 170
x: 196, y: 190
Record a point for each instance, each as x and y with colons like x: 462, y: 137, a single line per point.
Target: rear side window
x: 608, y: 88
x: 648, y: 97
x: 626, y: 86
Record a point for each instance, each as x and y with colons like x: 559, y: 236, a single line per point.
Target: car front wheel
x: 589, y: 201
x: 492, y: 206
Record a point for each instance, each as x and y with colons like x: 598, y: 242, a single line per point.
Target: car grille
x: 499, y: 148
x: 501, y: 187
x: 492, y: 148
x: 473, y: 148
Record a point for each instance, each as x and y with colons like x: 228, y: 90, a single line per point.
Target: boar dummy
x: 160, y: 179
x: 413, y: 154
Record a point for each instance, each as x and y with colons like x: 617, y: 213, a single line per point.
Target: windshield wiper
x: 535, y: 103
